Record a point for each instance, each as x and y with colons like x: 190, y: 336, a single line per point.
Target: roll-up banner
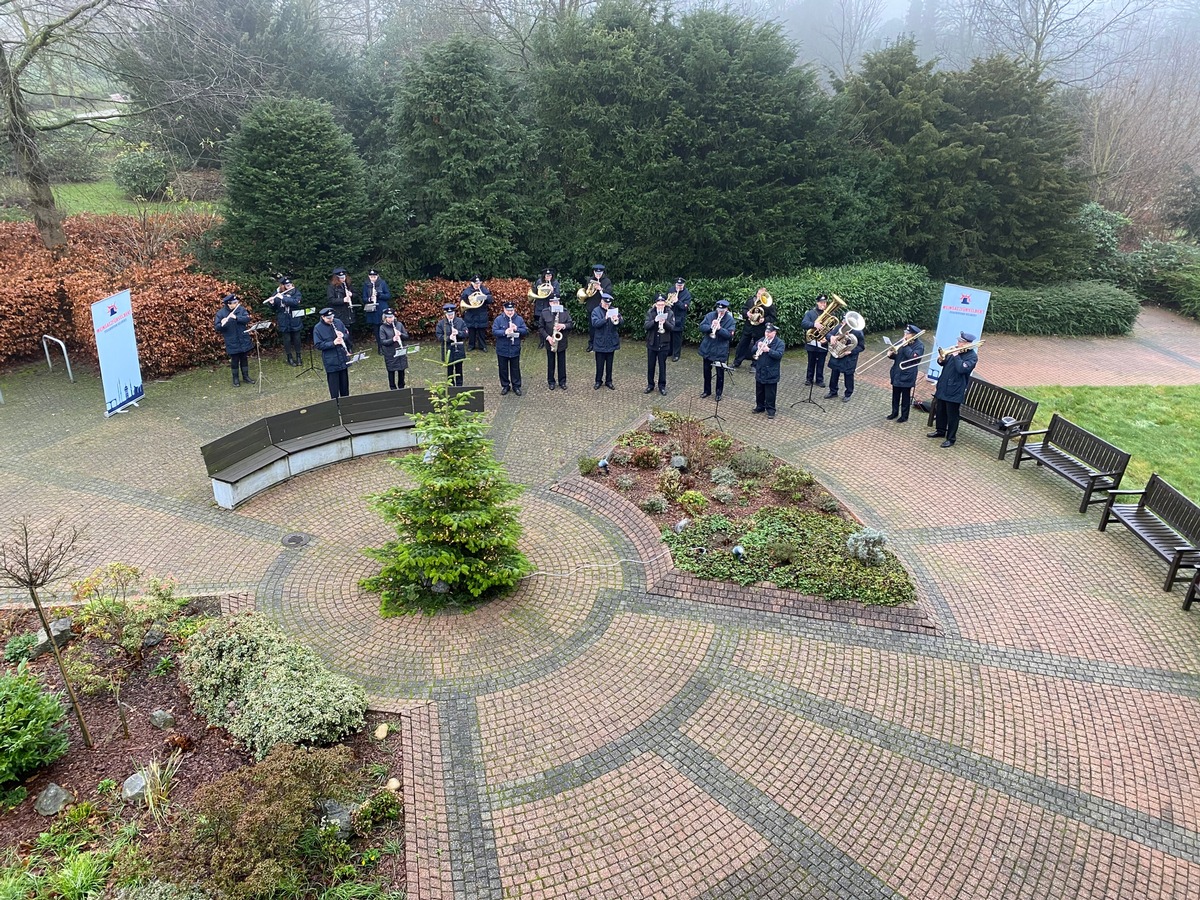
x: 116, y: 347
x: 963, y: 309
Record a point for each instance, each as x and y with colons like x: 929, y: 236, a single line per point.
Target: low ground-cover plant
x: 245, y: 674
x: 794, y: 550
x: 31, y: 733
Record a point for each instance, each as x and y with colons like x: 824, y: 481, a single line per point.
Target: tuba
x: 474, y: 300
x: 843, y: 342
x: 758, y: 312
x: 827, y: 321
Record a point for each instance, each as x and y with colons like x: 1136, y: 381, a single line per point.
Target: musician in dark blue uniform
x: 450, y: 332
x: 591, y: 298
x: 815, y: 349
x: 475, y: 312
x: 286, y: 301
x: 332, y: 338
x: 339, y: 296
x: 508, y: 330
x: 376, y: 297
x: 843, y: 362
x: 957, y: 365
x: 714, y: 345
x: 659, y: 319
x: 768, y: 353
x: 606, y: 340
x: 683, y: 303
x: 231, y: 321
x: 905, y: 379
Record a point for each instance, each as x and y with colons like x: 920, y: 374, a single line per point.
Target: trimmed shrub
x: 792, y: 481
x: 31, y: 735
x: 198, y: 184
x: 588, y: 465
x: 724, y: 475
x: 670, y: 483
x: 1070, y: 308
x: 694, y: 502
x: 1185, y: 288
x: 1152, y: 265
x: 646, y: 457
x: 246, y: 675
x: 72, y: 155
x: 751, y: 461
x: 867, y: 546
x: 655, y: 503
x: 723, y: 493
x: 142, y: 172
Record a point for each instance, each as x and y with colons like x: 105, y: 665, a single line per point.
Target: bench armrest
x: 1126, y: 493
x: 1025, y: 434
x: 1179, y: 551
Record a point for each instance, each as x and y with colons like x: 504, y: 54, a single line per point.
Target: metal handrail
x: 66, y: 359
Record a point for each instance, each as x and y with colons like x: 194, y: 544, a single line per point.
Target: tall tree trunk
x: 23, y: 138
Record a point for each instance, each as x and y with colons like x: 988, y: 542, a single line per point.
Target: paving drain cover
x: 296, y: 539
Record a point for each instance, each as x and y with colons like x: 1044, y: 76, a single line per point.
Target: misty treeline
x: 963, y: 135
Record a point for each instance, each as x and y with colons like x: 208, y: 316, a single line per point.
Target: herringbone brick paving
x: 1029, y: 729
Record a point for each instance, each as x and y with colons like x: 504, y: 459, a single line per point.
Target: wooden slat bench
x: 311, y: 436
x: 242, y: 463
x: 1077, y: 455
x: 1193, y: 590
x: 1167, y: 521
x: 379, y: 422
x: 996, y: 410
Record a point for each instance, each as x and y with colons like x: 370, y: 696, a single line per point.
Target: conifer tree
x: 456, y: 528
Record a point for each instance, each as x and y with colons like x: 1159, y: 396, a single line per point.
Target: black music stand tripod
x: 728, y: 383
x: 809, y: 398
x: 253, y: 331
x: 304, y: 330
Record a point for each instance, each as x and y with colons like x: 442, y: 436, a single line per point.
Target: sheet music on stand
x: 404, y: 351
x: 301, y: 313
x: 259, y: 326
x: 356, y: 357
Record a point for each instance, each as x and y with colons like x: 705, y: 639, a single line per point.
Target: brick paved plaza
x: 1031, y: 728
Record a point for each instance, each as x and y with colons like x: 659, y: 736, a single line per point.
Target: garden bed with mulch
x: 732, y: 512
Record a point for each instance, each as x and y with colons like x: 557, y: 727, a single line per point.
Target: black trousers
x: 901, y: 401
x: 339, y: 383
x: 477, y: 337
x: 677, y: 339
x: 291, y: 344
x: 947, y: 418
x: 396, y: 379
x: 657, y: 358
x: 816, y: 365
x: 833, y: 381
x: 764, y: 396
x: 510, y: 370
x: 454, y: 373
x: 556, y: 360
x: 241, y: 360
x: 745, y: 348
x: 604, y: 361
x: 708, y: 370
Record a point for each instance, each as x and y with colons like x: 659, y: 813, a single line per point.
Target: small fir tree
x: 456, y: 530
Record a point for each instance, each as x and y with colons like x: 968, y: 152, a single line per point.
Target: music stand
x: 253, y: 331
x: 809, y: 398
x: 300, y: 314
x: 728, y: 383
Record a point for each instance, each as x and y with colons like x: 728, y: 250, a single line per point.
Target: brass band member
x: 286, y: 301
x: 957, y: 364
x: 606, y: 339
x: 767, y: 355
x: 717, y: 331
x: 509, y: 329
x: 845, y: 345
x: 231, y: 321
x: 816, y: 350
x: 553, y: 325
x: 451, y: 332
x: 544, y: 289
x: 590, y: 293
x: 392, y: 335
x: 339, y: 296
x: 756, y: 313
x: 660, y: 323
x: 904, y: 380
x: 681, y: 306
x: 476, y: 300
x: 376, y: 297
x: 332, y: 338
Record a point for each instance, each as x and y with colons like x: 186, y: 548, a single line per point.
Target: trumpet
x: 716, y: 326
x: 882, y: 354
x: 762, y: 348
x: 827, y: 321
x: 593, y: 288
x: 941, y: 353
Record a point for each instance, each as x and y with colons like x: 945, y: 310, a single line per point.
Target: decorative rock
x: 134, y: 789
x: 50, y: 802
x: 153, y: 637
x: 336, y: 813
x: 678, y: 461
x: 393, y: 784
x: 160, y: 718
x: 679, y: 526
x: 60, y: 631
x: 381, y: 732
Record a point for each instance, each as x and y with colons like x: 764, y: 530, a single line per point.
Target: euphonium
x: 826, y: 321
x: 758, y: 312
x: 843, y: 342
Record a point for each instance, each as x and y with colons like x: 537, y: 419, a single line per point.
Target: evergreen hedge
x: 1069, y: 308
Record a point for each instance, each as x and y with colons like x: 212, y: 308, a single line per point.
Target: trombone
x: 908, y: 339
x: 941, y: 354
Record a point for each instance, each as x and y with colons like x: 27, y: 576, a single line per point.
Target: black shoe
x: 831, y: 395
x: 663, y: 391
x: 936, y: 434
x: 846, y: 399
x: 947, y: 443
x: 517, y: 391
x: 902, y: 420
x: 737, y: 365
x: 674, y: 359
x: 718, y: 396
x: 820, y: 384
x: 758, y: 409
x: 610, y: 386
x: 503, y: 391
x: 563, y: 386
x: 770, y: 415
x: 893, y: 416
x: 706, y: 395
x: 596, y: 386
x: 246, y: 378
x: 552, y: 385
x: 589, y: 349
x: 290, y: 361
x: 807, y: 382
x: 649, y: 390
x: 236, y: 383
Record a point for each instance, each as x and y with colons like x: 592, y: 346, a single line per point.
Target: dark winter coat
x: 335, y: 299
x: 907, y: 377
x: 382, y: 299
x: 766, y: 370
x: 607, y: 338
x: 683, y: 303
x: 956, y: 374
x: 387, y: 339
x: 475, y: 318
x: 592, y: 303
x: 654, y: 340
x: 333, y: 356
x: 546, y: 325
x: 284, y: 305
x: 234, y: 331
x: 452, y: 353
x: 716, y: 348
x: 849, y: 362
x: 506, y: 346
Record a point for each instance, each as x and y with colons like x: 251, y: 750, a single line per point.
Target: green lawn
x: 1159, y: 426
x: 105, y: 198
